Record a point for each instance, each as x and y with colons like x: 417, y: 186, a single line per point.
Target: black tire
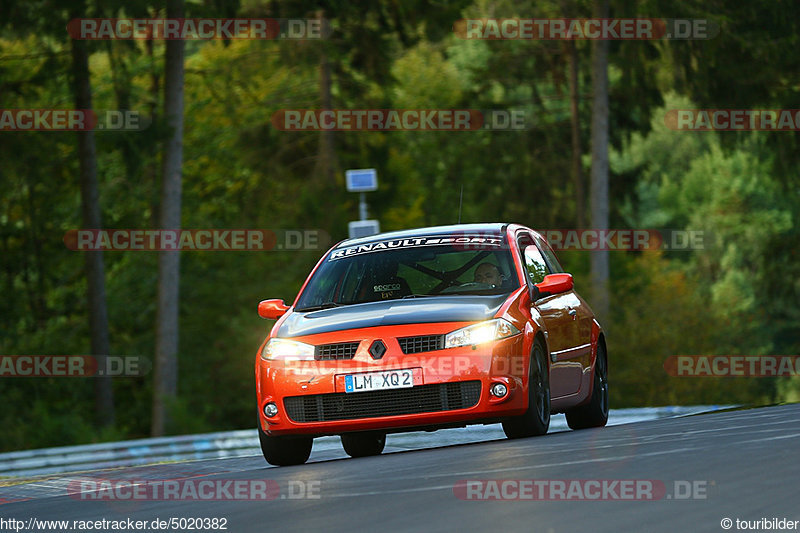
x: 363, y: 444
x: 595, y: 413
x: 536, y: 420
x: 285, y: 451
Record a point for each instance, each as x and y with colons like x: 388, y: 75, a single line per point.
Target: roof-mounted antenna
x: 460, y: 200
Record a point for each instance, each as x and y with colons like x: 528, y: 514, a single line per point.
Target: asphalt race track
x: 736, y: 464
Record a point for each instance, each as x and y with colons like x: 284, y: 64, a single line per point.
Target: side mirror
x: 272, y: 309
x: 554, y: 284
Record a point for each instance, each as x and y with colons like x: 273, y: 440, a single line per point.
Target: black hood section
x: 392, y: 313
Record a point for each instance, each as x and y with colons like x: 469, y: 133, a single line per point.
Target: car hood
x: 465, y: 308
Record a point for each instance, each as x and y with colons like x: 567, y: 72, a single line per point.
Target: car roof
x: 495, y: 228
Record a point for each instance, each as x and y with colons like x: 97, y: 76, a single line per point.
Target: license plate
x: 389, y: 379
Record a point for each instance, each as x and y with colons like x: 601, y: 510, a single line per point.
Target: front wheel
x: 285, y: 451
x: 595, y: 413
x: 536, y: 420
x: 363, y: 444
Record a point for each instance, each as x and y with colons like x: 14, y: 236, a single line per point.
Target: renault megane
x: 426, y: 329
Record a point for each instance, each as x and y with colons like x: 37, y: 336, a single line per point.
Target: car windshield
x: 411, y: 268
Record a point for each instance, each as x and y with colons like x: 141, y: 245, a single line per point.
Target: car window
x: 550, y: 256
x: 535, y: 265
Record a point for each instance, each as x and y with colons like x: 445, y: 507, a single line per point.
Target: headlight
x: 490, y: 330
x: 286, y: 349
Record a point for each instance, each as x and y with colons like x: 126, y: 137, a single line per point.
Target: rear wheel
x: 285, y: 451
x: 363, y: 444
x: 595, y: 413
x: 536, y: 420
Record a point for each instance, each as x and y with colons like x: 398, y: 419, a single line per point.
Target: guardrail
x: 129, y: 453
x: 245, y: 442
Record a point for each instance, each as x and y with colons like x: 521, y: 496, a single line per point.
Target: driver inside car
x: 489, y: 274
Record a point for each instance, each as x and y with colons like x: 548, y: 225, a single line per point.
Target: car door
x: 575, y: 358
x: 561, y: 330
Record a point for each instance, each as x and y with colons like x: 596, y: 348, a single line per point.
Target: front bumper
x: 451, y: 386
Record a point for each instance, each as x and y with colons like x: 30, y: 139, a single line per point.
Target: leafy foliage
x: 738, y: 295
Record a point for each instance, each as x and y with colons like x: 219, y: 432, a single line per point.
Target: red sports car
x: 427, y: 329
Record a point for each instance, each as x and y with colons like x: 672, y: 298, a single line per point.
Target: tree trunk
x: 599, y: 187
x: 150, y: 171
x: 326, y: 158
x: 577, y: 150
x: 166, y: 364
x: 90, y: 207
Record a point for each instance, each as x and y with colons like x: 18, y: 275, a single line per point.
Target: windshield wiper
x: 326, y: 305
x: 417, y: 296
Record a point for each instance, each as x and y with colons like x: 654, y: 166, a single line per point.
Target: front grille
x: 341, y: 350
x: 425, y: 343
x: 371, y: 404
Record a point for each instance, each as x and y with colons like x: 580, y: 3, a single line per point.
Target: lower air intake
x: 371, y: 404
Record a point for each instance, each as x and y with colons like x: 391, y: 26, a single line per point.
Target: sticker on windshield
x: 418, y: 242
